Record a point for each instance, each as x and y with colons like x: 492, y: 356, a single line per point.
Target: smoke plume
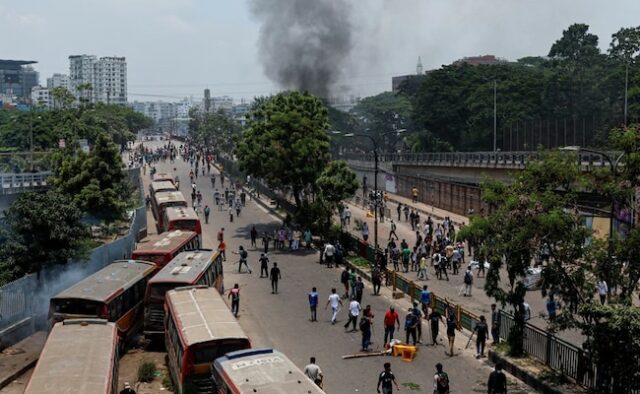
x: 304, y: 44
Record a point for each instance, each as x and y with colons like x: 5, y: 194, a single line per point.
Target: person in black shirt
x: 482, y: 332
x: 387, y: 379
x: 264, y: 266
x: 275, y: 276
x: 497, y: 381
x: 435, y: 317
x: 254, y: 235
x: 451, y: 332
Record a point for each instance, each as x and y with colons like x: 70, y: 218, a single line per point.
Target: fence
x: 24, y: 303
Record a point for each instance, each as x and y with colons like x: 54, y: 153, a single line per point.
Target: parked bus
x: 199, y: 328
x: 162, y: 248
x: 181, y: 218
x: 161, y: 186
x: 79, y: 357
x: 260, y: 371
x: 198, y: 267
x: 164, y: 200
x: 115, y: 293
x: 162, y: 176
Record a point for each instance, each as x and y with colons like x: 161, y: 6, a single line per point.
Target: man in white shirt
x: 314, y: 372
x: 329, y: 251
x: 603, y: 290
x: 354, y: 312
x: 335, y: 302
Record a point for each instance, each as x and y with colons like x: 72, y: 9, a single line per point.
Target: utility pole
x: 495, y: 115
x: 626, y: 85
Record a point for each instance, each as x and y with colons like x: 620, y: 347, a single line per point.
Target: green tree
x: 97, y: 181
x: 62, y: 97
x: 336, y: 183
x: 286, y: 143
x: 213, y: 129
x: 41, y: 229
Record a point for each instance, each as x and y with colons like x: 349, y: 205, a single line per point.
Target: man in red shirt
x: 391, y: 319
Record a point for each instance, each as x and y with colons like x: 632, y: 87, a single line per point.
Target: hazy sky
x: 179, y: 47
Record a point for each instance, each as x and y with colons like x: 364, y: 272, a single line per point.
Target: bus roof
x: 162, y: 176
x: 201, y: 315
x: 181, y: 213
x: 101, y: 286
x: 264, y: 371
x: 160, y: 186
x: 164, y: 197
x: 160, y: 243
x: 77, y: 358
x: 185, y: 267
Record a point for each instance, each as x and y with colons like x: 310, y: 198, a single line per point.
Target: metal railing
x: 472, y: 159
x: 23, y: 182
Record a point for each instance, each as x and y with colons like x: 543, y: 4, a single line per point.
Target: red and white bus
x: 161, y: 186
x: 162, y: 248
x: 181, y: 218
x: 162, y: 176
x: 195, y: 268
x: 80, y: 356
x: 162, y: 201
x: 199, y: 328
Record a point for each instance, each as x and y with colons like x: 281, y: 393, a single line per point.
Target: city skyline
x: 176, y: 49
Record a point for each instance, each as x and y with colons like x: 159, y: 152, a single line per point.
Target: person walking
x: 552, y: 307
x: 344, y: 279
x: 222, y: 248
x: 365, y: 231
x: 410, y: 327
x: 254, y: 235
x: 207, y: 211
x: 440, y: 381
x: 376, y: 279
x: 313, y: 303
x: 265, y: 242
x: 354, y: 312
x: 264, y: 265
x: 603, y: 290
x: 468, y: 282
x: 391, y: 319
x: 418, y: 314
x: 386, y: 380
x: 275, y: 276
x: 243, y: 259
x: 451, y: 332
x: 359, y: 289
x: 234, y: 295
x: 366, y: 323
x: 435, y: 318
x: 329, y: 251
x: 482, y: 332
x: 393, y: 230
x: 422, y: 268
x: 336, y: 303
x: 497, y: 383
x: 314, y: 372
x: 495, y: 324
x: 425, y: 299
x: 399, y: 209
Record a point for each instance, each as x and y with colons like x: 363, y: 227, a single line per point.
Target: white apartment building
x: 58, y: 80
x: 40, y: 97
x: 107, y: 76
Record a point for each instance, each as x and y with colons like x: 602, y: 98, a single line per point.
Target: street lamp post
x: 495, y: 115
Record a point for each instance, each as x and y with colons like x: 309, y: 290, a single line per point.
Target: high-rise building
x: 17, y: 78
x: 58, y: 80
x: 40, y: 97
x: 207, y: 100
x: 106, y: 76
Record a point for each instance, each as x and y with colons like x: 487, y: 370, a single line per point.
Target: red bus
x: 181, y: 218
x: 199, y: 328
x: 161, y: 186
x: 162, y: 201
x: 194, y: 268
x: 162, y: 248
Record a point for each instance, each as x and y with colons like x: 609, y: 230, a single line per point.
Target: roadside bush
x: 146, y: 371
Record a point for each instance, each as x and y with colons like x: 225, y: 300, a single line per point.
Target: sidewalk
x: 17, y: 359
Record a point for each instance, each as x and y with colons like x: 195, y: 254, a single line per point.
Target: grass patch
x: 167, y: 382
x: 359, y: 261
x: 553, y: 377
x: 411, y: 386
x: 146, y: 371
x: 502, y: 347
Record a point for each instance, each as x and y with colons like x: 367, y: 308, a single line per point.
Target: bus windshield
x: 186, y: 224
x: 77, y: 307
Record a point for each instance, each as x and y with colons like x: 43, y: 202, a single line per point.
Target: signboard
x: 84, y: 145
x: 61, y: 143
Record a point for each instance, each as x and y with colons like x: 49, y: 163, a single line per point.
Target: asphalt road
x: 282, y: 320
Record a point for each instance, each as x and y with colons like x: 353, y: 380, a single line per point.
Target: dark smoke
x: 304, y: 44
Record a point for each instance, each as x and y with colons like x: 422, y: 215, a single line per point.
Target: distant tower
x: 207, y: 100
x: 419, y: 66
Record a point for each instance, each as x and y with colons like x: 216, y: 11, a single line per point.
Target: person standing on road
x: 497, y: 383
x: 435, y: 318
x: 425, y: 299
x: 234, y: 294
x: 418, y: 314
x: 354, y: 312
x: 275, y: 277
x: 359, y: 289
x: 399, y: 209
x: 482, y: 332
x: 254, y: 235
x: 230, y: 214
x: 207, y: 211
x: 265, y: 242
x: 344, y: 279
x: 393, y: 230
x: 336, y: 303
x: 365, y: 327
x: 243, y: 259
x: 222, y: 248
x: 329, y: 250
x: 365, y: 231
x: 468, y: 282
x: 387, y: 379
x: 414, y: 194
x: 264, y: 266
x: 440, y: 381
x: 495, y: 324
x: 376, y: 279
x: 307, y: 238
x: 451, y: 332
x: 391, y: 319
x: 313, y: 303
x: 410, y: 326
x: 314, y: 372
x: 422, y: 271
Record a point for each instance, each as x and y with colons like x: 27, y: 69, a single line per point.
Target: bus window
x: 77, y: 307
